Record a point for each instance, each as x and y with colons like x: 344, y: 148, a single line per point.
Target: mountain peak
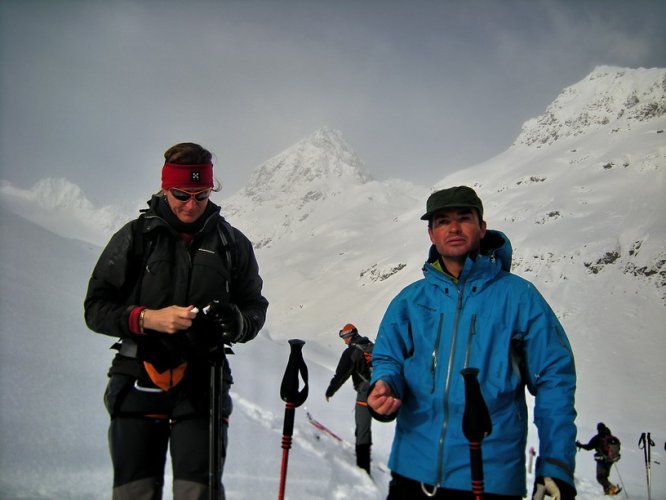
x: 321, y: 162
x: 612, y: 97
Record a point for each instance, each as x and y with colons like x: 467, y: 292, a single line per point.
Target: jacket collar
x: 155, y: 219
x: 495, y: 255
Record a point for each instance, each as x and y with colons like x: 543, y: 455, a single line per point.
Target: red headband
x: 187, y: 176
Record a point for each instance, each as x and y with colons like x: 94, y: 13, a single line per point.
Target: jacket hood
x: 495, y: 245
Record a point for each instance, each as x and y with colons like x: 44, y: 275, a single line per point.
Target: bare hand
x: 169, y: 320
x: 382, y: 400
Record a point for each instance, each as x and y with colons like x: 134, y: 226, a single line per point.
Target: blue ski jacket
x: 497, y: 322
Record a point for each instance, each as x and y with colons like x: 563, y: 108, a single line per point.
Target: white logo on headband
x: 195, y: 176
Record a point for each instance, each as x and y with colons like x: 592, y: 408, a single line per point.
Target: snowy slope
x: 53, y: 373
x: 58, y: 205
x: 580, y: 193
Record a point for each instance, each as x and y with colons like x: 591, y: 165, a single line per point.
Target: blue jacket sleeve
x: 392, y: 346
x: 551, y: 378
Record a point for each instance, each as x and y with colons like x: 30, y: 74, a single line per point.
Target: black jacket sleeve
x: 592, y: 445
x: 245, y: 289
x: 106, y: 307
x: 342, y: 372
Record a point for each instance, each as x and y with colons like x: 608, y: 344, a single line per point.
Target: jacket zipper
x: 470, y: 337
x: 435, y: 352
x: 447, y: 385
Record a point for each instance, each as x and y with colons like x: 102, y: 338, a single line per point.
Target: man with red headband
x: 150, y: 288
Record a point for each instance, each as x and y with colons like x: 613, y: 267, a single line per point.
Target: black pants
x: 603, y: 473
x: 402, y: 488
x: 363, y: 432
x: 143, y: 426
x: 363, y: 421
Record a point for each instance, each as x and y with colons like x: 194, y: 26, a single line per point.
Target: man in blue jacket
x: 470, y: 311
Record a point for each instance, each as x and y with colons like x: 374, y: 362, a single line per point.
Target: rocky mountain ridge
x: 610, y: 97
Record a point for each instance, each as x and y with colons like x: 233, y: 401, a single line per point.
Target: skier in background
x: 604, y: 463
x: 353, y: 364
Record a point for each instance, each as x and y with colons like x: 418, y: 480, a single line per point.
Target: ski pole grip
x: 290, y: 381
x: 476, y: 418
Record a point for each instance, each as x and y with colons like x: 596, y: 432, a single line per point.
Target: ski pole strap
x: 290, y: 381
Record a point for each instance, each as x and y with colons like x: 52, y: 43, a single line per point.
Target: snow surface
x: 580, y: 193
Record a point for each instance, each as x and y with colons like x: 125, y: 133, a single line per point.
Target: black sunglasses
x: 185, y: 196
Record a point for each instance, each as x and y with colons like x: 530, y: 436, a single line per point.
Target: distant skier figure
x: 607, y: 452
x: 355, y: 362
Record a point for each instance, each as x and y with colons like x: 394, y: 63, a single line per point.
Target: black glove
x: 578, y: 445
x: 554, y: 488
x: 216, y: 324
x: 227, y: 320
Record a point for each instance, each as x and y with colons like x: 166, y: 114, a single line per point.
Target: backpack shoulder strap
x: 228, y: 241
x: 136, y: 267
x: 365, y: 347
x: 137, y: 258
x: 359, y: 348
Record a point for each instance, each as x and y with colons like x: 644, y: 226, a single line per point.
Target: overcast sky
x: 96, y: 91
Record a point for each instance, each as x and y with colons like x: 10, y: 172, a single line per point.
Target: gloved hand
x: 578, y: 445
x: 227, y: 320
x: 555, y: 488
x: 215, y: 325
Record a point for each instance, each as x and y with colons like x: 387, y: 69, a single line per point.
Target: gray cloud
x: 96, y: 91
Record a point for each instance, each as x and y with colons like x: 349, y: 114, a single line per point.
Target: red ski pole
x: 476, y: 425
x: 293, y: 398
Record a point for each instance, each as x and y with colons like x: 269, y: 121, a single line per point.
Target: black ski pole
x: 624, y: 489
x: 476, y: 425
x: 293, y: 398
x: 645, y: 442
x: 215, y: 429
x: 649, y: 444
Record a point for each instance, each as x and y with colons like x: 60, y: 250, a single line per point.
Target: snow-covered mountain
x: 320, y: 164
x: 592, y: 184
x: 319, y: 178
x: 60, y: 206
x: 609, y: 98
x: 580, y: 193
x: 321, y: 225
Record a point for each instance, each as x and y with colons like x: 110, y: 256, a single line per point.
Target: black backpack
x: 366, y: 351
